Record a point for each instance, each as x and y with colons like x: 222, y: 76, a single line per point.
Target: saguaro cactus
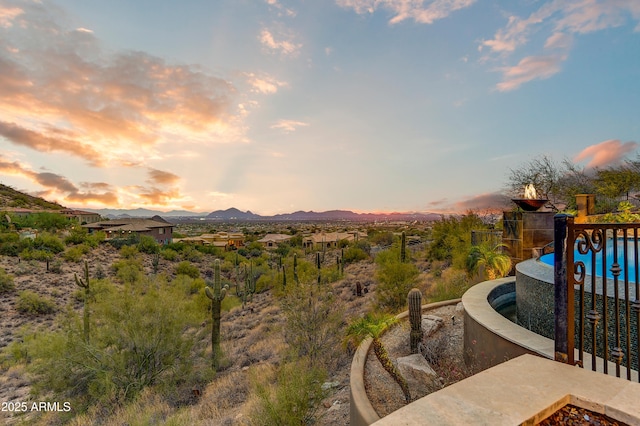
x: 295, y: 268
x: 318, y: 265
x: 87, y: 293
x: 217, y: 294
x: 414, y: 299
x: 403, y: 248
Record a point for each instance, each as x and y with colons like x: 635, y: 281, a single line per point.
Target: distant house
x: 156, y: 227
x: 272, y: 240
x: 322, y: 240
x: 226, y: 240
x: 81, y: 216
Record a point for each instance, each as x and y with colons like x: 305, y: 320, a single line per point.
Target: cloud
x: 8, y: 15
x: 421, y: 11
x: 607, y: 153
x: 284, y: 45
x: 49, y: 140
x: 561, y: 20
x: 59, y: 187
x: 529, y: 68
x: 61, y: 91
x: 494, y: 201
x: 162, y: 178
x: 288, y: 126
x: 264, y: 84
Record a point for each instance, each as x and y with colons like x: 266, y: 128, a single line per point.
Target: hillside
x: 10, y: 197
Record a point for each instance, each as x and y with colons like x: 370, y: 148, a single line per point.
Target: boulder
x: 417, y: 372
x: 431, y: 324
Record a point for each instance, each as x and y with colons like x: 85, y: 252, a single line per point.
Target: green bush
x: 148, y: 245
x: 34, y: 304
x: 140, y: 342
x: 354, y: 254
x: 395, y: 280
x: 451, y: 284
x: 48, y: 242
x: 128, y: 252
x: 187, y: 268
x: 169, y: 254
x: 73, y: 254
x: 296, y: 398
x: 6, y: 282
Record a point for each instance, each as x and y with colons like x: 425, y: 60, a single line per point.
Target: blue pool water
x: 587, y: 260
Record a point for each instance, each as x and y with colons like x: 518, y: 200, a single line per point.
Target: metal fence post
x: 563, y: 306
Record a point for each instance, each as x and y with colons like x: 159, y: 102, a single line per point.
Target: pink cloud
x: 60, y: 91
x: 607, y: 153
x: 421, y: 11
x: 528, y: 69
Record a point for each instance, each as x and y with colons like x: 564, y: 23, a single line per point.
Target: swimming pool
x: 588, y: 258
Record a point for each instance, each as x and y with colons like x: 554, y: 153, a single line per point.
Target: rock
x: 460, y: 307
x: 326, y: 404
x: 431, y: 324
x: 417, y: 371
x: 330, y: 385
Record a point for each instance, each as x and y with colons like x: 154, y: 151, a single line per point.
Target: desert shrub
x: 187, y: 268
x: 395, y: 279
x: 73, y: 254
x: 451, y: 284
x: 191, y: 254
x: 294, y: 399
x: 6, y: 282
x: 128, y: 270
x: 95, y: 238
x: 48, y: 242
x: 77, y: 235
x: 148, y: 245
x: 141, y: 342
x: 313, y: 320
x: 56, y: 266
x: 33, y: 304
x: 329, y: 275
x: 128, y: 252
x: 169, y: 254
x: 35, y: 254
x: 354, y: 254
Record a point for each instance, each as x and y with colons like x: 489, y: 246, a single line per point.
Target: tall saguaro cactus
x: 414, y: 299
x: 217, y: 294
x: 295, y: 268
x: 403, y: 248
x: 319, y: 266
x: 87, y: 293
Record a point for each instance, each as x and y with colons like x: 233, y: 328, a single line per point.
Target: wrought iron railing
x: 597, y: 283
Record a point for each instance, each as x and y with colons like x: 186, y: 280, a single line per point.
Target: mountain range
x: 236, y: 214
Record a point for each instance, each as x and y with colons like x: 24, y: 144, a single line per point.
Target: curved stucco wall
x: 490, y: 338
x: 361, y: 412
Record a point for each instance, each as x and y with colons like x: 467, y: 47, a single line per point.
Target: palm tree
x: 491, y: 259
x: 373, y: 325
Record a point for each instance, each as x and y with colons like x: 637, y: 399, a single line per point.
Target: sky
x: 276, y: 106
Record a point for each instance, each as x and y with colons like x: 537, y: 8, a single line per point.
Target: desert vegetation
x: 181, y: 334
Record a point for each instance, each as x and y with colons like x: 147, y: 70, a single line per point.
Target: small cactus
x: 414, y: 299
x: 216, y: 293
x: 358, y: 289
x: 155, y: 262
x: 295, y: 268
x: 87, y: 293
x: 318, y: 265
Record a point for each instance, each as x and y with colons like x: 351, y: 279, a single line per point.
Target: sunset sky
x: 275, y: 106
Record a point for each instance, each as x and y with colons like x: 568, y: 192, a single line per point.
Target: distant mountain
x: 233, y: 214
x: 236, y: 214
x: 140, y: 212
x: 12, y: 198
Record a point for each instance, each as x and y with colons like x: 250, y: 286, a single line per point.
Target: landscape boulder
x: 417, y: 372
x: 431, y: 324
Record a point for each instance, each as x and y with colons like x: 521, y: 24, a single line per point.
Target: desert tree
x: 373, y: 326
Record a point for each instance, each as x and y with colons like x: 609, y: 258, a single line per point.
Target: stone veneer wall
x: 523, y: 232
x: 535, y: 309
